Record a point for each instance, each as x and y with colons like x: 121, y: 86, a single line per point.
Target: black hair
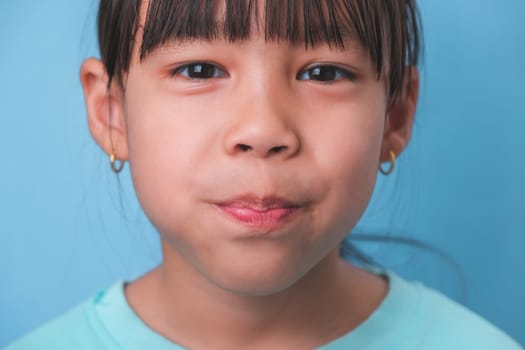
x: 388, y: 29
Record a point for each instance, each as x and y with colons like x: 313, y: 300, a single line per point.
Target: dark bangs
x: 387, y: 29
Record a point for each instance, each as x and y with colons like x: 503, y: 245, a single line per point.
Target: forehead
x: 336, y: 23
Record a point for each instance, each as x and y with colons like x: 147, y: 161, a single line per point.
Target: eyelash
x: 326, y: 73
x: 198, y: 67
x: 334, y: 74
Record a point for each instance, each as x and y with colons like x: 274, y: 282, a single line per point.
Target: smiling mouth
x: 265, y: 213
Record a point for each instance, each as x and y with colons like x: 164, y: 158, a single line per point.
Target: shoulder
x: 441, y: 323
x: 76, y: 329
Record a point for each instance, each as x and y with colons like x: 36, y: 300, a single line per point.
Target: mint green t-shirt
x: 411, y: 316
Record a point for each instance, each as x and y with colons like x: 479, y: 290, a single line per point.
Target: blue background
x: 67, y: 227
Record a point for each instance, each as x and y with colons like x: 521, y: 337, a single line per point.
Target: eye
x: 199, y: 71
x: 325, y: 74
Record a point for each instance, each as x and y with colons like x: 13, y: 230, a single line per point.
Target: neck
x: 182, y: 305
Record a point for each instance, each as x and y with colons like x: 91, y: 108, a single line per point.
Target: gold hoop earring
x: 116, y: 165
x: 392, y: 164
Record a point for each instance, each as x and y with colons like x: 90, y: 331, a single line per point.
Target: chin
x: 255, y: 286
x: 258, y: 276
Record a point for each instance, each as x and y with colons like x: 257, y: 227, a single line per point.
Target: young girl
x: 254, y: 131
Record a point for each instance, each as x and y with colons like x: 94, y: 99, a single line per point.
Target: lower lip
x: 271, y: 218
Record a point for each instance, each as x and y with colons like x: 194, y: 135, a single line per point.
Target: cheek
x: 164, y: 146
x: 347, y: 152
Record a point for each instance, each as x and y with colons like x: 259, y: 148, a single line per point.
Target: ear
x: 400, y: 118
x: 105, y: 109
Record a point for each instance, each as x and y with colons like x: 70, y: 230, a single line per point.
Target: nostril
x: 243, y: 147
x: 277, y: 149
x: 274, y: 150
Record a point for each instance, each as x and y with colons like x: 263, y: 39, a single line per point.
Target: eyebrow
x: 173, y: 46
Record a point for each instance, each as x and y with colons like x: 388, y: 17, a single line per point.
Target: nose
x: 262, y: 129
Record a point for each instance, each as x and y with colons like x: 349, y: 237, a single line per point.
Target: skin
x: 258, y: 127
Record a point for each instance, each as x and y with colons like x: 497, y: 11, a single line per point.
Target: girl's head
x: 254, y: 129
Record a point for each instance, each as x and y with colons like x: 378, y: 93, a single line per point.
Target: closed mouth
x: 263, y: 212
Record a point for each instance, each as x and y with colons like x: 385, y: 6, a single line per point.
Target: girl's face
x: 253, y: 159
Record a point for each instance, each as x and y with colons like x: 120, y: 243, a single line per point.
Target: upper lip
x: 258, y: 203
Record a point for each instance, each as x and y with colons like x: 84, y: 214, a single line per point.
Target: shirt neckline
x: 130, y: 332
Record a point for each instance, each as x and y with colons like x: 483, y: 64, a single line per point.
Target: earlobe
x: 104, y: 108
x: 400, y: 118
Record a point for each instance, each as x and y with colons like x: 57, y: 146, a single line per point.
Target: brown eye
x: 199, y: 71
x: 325, y: 74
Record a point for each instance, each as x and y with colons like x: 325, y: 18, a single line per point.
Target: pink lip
x: 267, y: 212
